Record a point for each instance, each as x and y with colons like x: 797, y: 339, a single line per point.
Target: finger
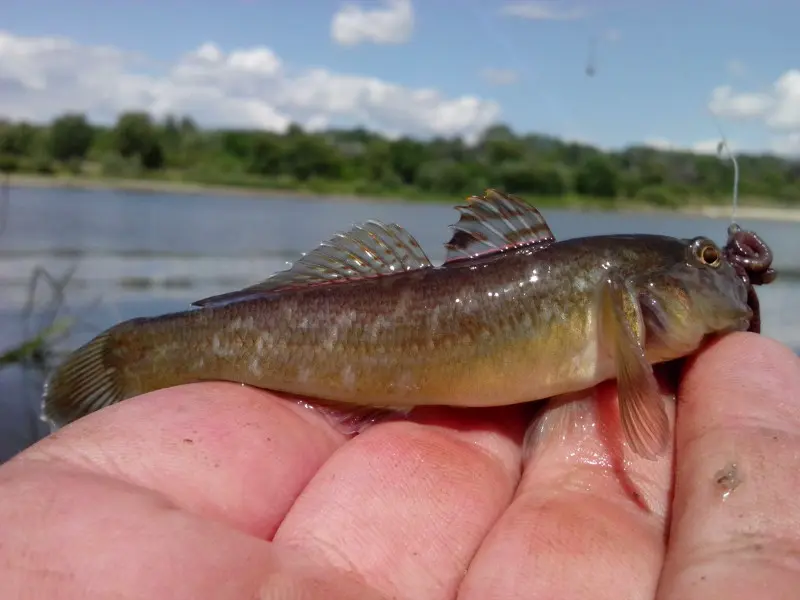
x: 406, y: 504
x: 736, y: 523
x: 582, y: 525
x: 221, y: 450
x: 69, y: 533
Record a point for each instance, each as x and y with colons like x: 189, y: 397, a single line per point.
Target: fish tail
x: 84, y: 383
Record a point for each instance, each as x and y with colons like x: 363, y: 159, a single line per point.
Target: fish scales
x: 491, y: 333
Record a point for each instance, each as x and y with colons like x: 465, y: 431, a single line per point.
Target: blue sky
x: 657, y: 62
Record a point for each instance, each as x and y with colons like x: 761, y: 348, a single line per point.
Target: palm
x: 427, y: 509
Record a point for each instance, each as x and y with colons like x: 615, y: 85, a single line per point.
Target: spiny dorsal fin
x: 372, y: 249
x: 496, y: 222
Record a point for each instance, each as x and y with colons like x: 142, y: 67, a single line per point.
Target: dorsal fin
x: 372, y: 249
x: 496, y: 222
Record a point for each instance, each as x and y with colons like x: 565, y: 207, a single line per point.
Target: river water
x: 138, y: 254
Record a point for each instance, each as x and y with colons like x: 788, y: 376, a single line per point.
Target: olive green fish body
x: 512, y: 316
x: 511, y: 329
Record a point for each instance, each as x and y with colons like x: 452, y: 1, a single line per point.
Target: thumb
x: 736, y: 516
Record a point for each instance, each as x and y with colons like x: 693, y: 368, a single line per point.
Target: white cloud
x: 786, y: 111
x: 778, y: 108
x: 43, y: 77
x: 725, y: 103
x: 542, y: 10
x: 499, y: 76
x: 391, y: 24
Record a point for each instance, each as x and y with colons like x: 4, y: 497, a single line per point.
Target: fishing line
x: 723, y: 145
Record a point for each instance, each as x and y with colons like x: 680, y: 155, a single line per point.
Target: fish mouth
x: 744, y: 323
x: 751, y: 258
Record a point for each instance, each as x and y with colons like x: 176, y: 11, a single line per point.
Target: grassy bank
x: 751, y: 208
x: 262, y: 187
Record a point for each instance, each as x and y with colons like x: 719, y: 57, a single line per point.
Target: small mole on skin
x: 727, y: 479
x: 188, y: 441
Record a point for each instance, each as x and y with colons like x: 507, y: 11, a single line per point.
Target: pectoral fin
x: 642, y: 413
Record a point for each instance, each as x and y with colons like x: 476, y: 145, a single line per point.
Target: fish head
x: 696, y: 294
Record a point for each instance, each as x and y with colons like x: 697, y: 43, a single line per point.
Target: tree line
x: 357, y: 161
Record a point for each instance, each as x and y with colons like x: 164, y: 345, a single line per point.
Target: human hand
x: 219, y: 491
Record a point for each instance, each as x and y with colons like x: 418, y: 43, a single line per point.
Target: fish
x: 367, y: 322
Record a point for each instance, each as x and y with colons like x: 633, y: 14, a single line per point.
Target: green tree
x: 267, y: 155
x: 238, y: 144
x: 597, y: 177
x: 363, y: 161
x: 134, y: 134
x: 407, y: 156
x: 137, y: 136
x: 71, y: 136
x: 450, y: 177
x: 152, y: 158
x: 8, y: 163
x: 308, y: 156
x: 376, y: 164
x: 524, y: 177
x: 17, y: 139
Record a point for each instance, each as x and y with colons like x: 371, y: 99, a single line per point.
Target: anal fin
x: 349, y: 419
x: 561, y: 418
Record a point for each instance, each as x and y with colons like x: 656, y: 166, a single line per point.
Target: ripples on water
x: 139, y: 254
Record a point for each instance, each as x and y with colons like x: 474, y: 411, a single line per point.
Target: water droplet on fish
x: 727, y: 480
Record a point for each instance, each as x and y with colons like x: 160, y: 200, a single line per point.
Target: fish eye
x: 707, y: 252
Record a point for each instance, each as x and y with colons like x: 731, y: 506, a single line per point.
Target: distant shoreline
x: 760, y: 213
x: 169, y: 187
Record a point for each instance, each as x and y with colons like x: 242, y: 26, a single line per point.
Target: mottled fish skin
x: 366, y: 320
x: 503, y: 330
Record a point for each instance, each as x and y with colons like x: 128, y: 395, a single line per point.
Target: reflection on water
x: 146, y: 254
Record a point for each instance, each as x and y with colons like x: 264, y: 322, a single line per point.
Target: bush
x: 115, y: 165
x: 9, y: 164
x: 43, y: 166
x: 663, y: 196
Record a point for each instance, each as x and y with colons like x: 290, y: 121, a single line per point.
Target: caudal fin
x: 83, y: 383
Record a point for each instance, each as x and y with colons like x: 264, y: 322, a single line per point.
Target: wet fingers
x: 406, y: 504
x: 583, y: 524
x: 736, y: 526
x: 220, y: 450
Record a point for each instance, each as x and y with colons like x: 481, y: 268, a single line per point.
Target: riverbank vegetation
x: 359, y: 162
